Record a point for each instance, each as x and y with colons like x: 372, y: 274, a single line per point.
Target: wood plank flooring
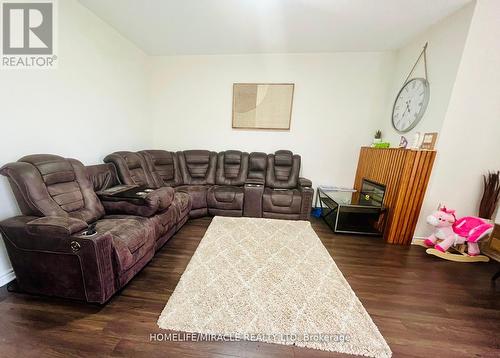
x: 423, y: 306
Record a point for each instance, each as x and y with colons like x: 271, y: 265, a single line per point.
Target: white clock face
x: 410, y: 104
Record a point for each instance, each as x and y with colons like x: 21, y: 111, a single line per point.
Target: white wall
x: 94, y: 103
x: 446, y: 41
x: 469, y: 144
x: 338, y: 102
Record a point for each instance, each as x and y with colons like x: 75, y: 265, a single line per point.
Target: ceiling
x: 184, y: 27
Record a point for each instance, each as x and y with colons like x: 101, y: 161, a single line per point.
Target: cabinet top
x: 403, y: 149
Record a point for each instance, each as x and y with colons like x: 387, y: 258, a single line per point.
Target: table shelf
x: 346, y: 216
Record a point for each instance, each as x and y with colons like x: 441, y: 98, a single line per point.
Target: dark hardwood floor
x: 423, y: 306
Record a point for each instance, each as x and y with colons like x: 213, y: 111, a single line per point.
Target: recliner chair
x: 48, y: 245
x: 198, y: 172
x: 286, y: 196
x: 226, y: 197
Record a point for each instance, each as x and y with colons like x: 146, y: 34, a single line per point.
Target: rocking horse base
x: 459, y: 257
x: 419, y: 242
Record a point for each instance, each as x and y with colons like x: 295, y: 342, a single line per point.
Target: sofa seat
x: 281, y: 204
x: 165, y: 224
x: 198, y: 195
x: 133, y: 243
x: 182, y: 203
x: 225, y: 200
x: 171, y: 220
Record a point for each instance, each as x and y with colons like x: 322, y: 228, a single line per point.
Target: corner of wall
x: 446, y: 40
x: 456, y: 178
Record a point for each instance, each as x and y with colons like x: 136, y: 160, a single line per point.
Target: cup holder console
x: 91, y: 231
x: 139, y: 200
x: 130, y: 193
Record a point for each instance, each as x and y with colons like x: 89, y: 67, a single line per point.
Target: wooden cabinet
x: 405, y: 173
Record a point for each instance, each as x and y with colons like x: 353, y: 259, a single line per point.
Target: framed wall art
x: 429, y: 141
x: 262, y: 105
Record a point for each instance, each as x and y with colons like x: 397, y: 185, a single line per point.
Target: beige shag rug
x: 272, y: 281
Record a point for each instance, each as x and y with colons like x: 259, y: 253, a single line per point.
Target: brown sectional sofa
x: 50, y: 247
x: 86, y: 231
x: 230, y: 183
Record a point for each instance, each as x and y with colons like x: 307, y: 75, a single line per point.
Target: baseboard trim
x: 417, y: 239
x: 7, y: 277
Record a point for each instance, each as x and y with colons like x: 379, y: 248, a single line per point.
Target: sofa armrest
x: 252, y: 205
x: 305, y: 183
x: 55, y: 226
x: 96, y: 256
x: 254, y: 182
x: 145, y: 205
x: 64, y: 265
x: 307, y: 192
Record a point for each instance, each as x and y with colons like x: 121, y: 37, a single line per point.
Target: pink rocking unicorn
x: 451, y: 232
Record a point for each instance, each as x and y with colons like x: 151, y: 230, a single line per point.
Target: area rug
x: 271, y: 281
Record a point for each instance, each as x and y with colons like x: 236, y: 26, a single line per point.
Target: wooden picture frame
x: 429, y: 141
x: 265, y: 106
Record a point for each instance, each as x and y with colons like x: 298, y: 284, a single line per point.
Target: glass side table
x: 343, y: 212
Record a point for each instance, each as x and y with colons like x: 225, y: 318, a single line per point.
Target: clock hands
x: 407, y: 108
x: 408, y: 105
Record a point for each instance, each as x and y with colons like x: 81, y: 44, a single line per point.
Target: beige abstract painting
x: 262, y: 105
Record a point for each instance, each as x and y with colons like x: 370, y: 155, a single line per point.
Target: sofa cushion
x: 55, y: 226
x: 182, y: 202
x: 282, y: 201
x: 232, y: 168
x: 198, y: 195
x: 257, y: 166
x: 102, y: 176
x: 225, y: 197
x: 164, y: 221
x: 131, y: 168
x: 133, y: 237
x: 283, y: 169
x: 197, y: 166
x: 164, y: 167
x: 224, y: 194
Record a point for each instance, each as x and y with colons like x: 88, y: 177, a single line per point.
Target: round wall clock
x: 410, y: 104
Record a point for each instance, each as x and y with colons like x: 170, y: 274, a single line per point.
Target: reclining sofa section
x: 76, y: 239
x: 230, y: 183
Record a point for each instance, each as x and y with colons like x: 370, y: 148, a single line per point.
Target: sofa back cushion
x: 49, y: 185
x: 164, y: 167
x: 283, y: 169
x: 232, y: 168
x: 197, y: 167
x: 257, y: 166
x: 102, y: 176
x: 131, y: 168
